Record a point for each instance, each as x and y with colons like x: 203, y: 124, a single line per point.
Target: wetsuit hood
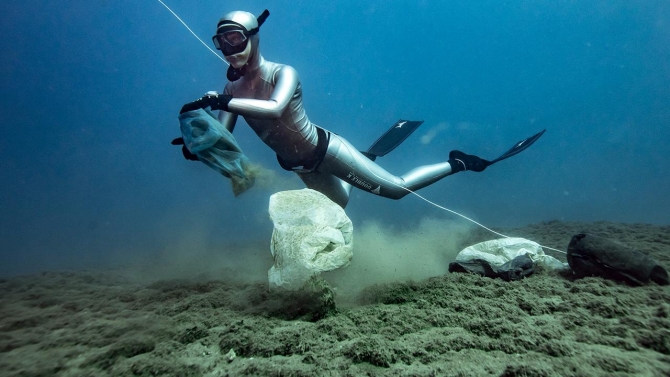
x: 243, y: 57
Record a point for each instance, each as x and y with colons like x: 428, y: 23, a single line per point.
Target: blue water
x: 90, y: 93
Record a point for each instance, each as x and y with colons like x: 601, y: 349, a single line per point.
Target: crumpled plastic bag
x: 215, y: 146
x: 500, y: 251
x: 311, y: 235
x: 516, y: 269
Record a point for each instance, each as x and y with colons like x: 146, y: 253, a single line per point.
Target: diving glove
x: 187, y: 154
x: 213, y: 100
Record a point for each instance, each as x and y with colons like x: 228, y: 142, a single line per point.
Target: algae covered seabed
x: 104, y: 323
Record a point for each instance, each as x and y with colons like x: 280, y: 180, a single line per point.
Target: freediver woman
x: 268, y: 96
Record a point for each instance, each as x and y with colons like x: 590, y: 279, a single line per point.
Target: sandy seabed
x: 104, y: 323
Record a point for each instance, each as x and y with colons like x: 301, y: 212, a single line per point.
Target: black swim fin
x: 460, y: 161
x: 518, y: 147
x: 392, y: 138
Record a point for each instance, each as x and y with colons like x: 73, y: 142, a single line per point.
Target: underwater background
x: 91, y: 92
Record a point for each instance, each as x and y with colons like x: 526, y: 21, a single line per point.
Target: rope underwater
x: 192, y: 32
x: 450, y: 210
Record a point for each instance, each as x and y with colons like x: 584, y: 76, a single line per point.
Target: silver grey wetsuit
x: 269, y: 97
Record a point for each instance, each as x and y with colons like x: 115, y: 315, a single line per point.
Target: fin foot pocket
x: 460, y: 161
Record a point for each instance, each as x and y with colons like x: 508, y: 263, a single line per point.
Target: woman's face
x: 240, y: 59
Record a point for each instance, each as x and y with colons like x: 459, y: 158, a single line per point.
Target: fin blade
x: 393, y: 137
x: 519, y: 147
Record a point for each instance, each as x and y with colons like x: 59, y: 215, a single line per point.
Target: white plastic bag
x: 499, y: 251
x: 312, y: 234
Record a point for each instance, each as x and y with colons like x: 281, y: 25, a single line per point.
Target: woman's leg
x: 331, y: 186
x: 345, y: 162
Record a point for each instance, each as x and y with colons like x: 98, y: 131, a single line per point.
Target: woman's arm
x: 228, y: 120
x: 287, y: 82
